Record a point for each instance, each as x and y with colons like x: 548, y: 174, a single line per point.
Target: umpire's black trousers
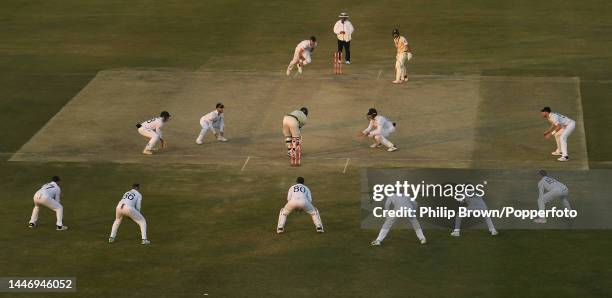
x: 347, y: 47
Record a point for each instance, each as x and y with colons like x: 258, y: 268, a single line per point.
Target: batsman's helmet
x: 395, y: 32
x: 305, y: 110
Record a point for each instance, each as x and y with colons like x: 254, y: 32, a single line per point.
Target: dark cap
x: 300, y: 180
x: 164, y: 114
x: 219, y: 105
x: 545, y: 109
x: 542, y: 173
x: 372, y: 111
x: 56, y: 179
x: 136, y: 185
x: 305, y: 110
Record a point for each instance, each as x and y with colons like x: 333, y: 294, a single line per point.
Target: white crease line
x: 245, y: 163
x: 346, y: 165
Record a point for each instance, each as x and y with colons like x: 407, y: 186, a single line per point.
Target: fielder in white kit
x: 549, y: 189
x: 151, y: 129
x: 130, y: 206
x: 213, y: 121
x: 49, y: 195
x: 379, y: 129
x: 561, y: 127
x: 473, y: 202
x: 400, y: 203
x: 299, y: 198
x: 302, y: 54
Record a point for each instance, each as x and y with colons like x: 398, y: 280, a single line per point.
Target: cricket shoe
x: 221, y: 139
x: 540, y: 220
x: 288, y: 71
x: 391, y: 149
x: 493, y: 233
x: 397, y: 82
x: 300, y: 68
x: 556, y: 153
x: 423, y: 241
x: 111, y: 239
x: 376, y: 242
x: 456, y: 233
x: 32, y: 225
x: 145, y: 242
x: 348, y: 62
x: 147, y: 152
x: 199, y: 142
x: 320, y: 230
x: 61, y: 228
x: 563, y: 158
x: 375, y: 145
x: 280, y: 230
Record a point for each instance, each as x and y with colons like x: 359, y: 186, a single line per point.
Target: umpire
x: 343, y: 30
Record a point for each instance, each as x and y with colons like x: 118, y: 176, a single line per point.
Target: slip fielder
x: 404, y: 54
x: 302, y: 54
x: 299, y: 198
x: 549, y: 189
x: 213, y: 120
x: 129, y: 206
x: 561, y: 127
x: 379, y: 129
x: 49, y: 195
x: 473, y: 202
x: 400, y: 203
x: 151, y: 129
x: 292, y: 128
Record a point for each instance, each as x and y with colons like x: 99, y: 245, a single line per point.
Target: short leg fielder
x: 151, y: 135
x: 125, y: 210
x: 52, y: 204
x: 299, y: 205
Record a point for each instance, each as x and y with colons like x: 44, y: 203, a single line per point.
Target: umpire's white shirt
x: 347, y: 27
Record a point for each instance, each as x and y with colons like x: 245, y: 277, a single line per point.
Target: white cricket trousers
x: 205, y: 127
x: 299, y: 204
x: 52, y: 204
x: 562, y: 194
x: 152, y: 135
x: 401, y: 59
x: 297, y: 58
x: 389, y: 221
x: 561, y: 137
x: 487, y: 220
x: 382, y: 137
x: 126, y: 210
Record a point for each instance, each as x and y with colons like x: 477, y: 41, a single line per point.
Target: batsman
x: 292, y: 126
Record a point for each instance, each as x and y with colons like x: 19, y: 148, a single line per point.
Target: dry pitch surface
x: 442, y: 121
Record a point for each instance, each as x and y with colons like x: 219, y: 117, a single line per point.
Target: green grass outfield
x: 212, y: 226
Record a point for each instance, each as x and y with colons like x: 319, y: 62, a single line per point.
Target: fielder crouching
x: 379, y: 129
x: 130, y: 206
x: 213, y: 120
x: 292, y: 126
x: 151, y: 129
x: 299, y: 198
